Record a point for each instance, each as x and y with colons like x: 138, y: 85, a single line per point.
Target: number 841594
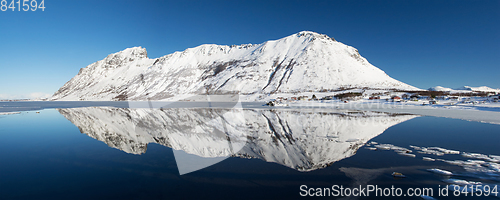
x: 24, y: 5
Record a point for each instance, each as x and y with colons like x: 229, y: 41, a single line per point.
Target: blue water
x: 44, y: 156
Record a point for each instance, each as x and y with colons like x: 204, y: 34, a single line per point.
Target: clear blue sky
x: 423, y: 43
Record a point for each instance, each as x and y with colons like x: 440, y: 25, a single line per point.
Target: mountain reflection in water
x: 304, y: 140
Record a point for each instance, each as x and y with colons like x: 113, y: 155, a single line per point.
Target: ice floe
x: 446, y: 151
x: 440, y: 171
x: 475, y: 155
x: 431, y: 152
x: 477, y: 166
x: 490, y: 158
x: 407, y: 154
x: 461, y: 182
x: 495, y: 158
x: 434, y: 150
x: 392, y: 147
x: 428, y: 159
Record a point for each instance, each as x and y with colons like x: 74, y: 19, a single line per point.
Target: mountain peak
x: 134, y: 52
x: 123, y: 57
x: 313, y: 35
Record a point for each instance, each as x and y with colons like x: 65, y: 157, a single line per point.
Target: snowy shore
x: 488, y: 112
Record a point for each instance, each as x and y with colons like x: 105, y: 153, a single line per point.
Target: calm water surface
x: 120, y: 153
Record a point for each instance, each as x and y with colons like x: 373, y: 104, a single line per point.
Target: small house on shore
x: 395, y: 98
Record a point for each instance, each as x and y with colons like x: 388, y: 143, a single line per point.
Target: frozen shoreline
x: 9, y: 113
x: 465, y: 112
x: 469, y: 113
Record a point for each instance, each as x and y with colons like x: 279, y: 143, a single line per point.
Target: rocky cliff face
x: 301, y: 62
x: 303, y: 140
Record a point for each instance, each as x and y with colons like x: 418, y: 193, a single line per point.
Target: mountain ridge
x: 465, y: 89
x: 302, y: 62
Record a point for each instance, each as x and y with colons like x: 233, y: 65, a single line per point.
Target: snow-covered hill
x: 302, y: 62
x: 479, y: 89
x: 440, y: 89
x: 465, y: 89
x: 300, y: 139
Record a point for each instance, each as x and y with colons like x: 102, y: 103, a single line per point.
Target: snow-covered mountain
x: 440, y: 89
x: 465, y: 89
x: 302, y: 62
x: 479, y: 89
x: 300, y: 139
